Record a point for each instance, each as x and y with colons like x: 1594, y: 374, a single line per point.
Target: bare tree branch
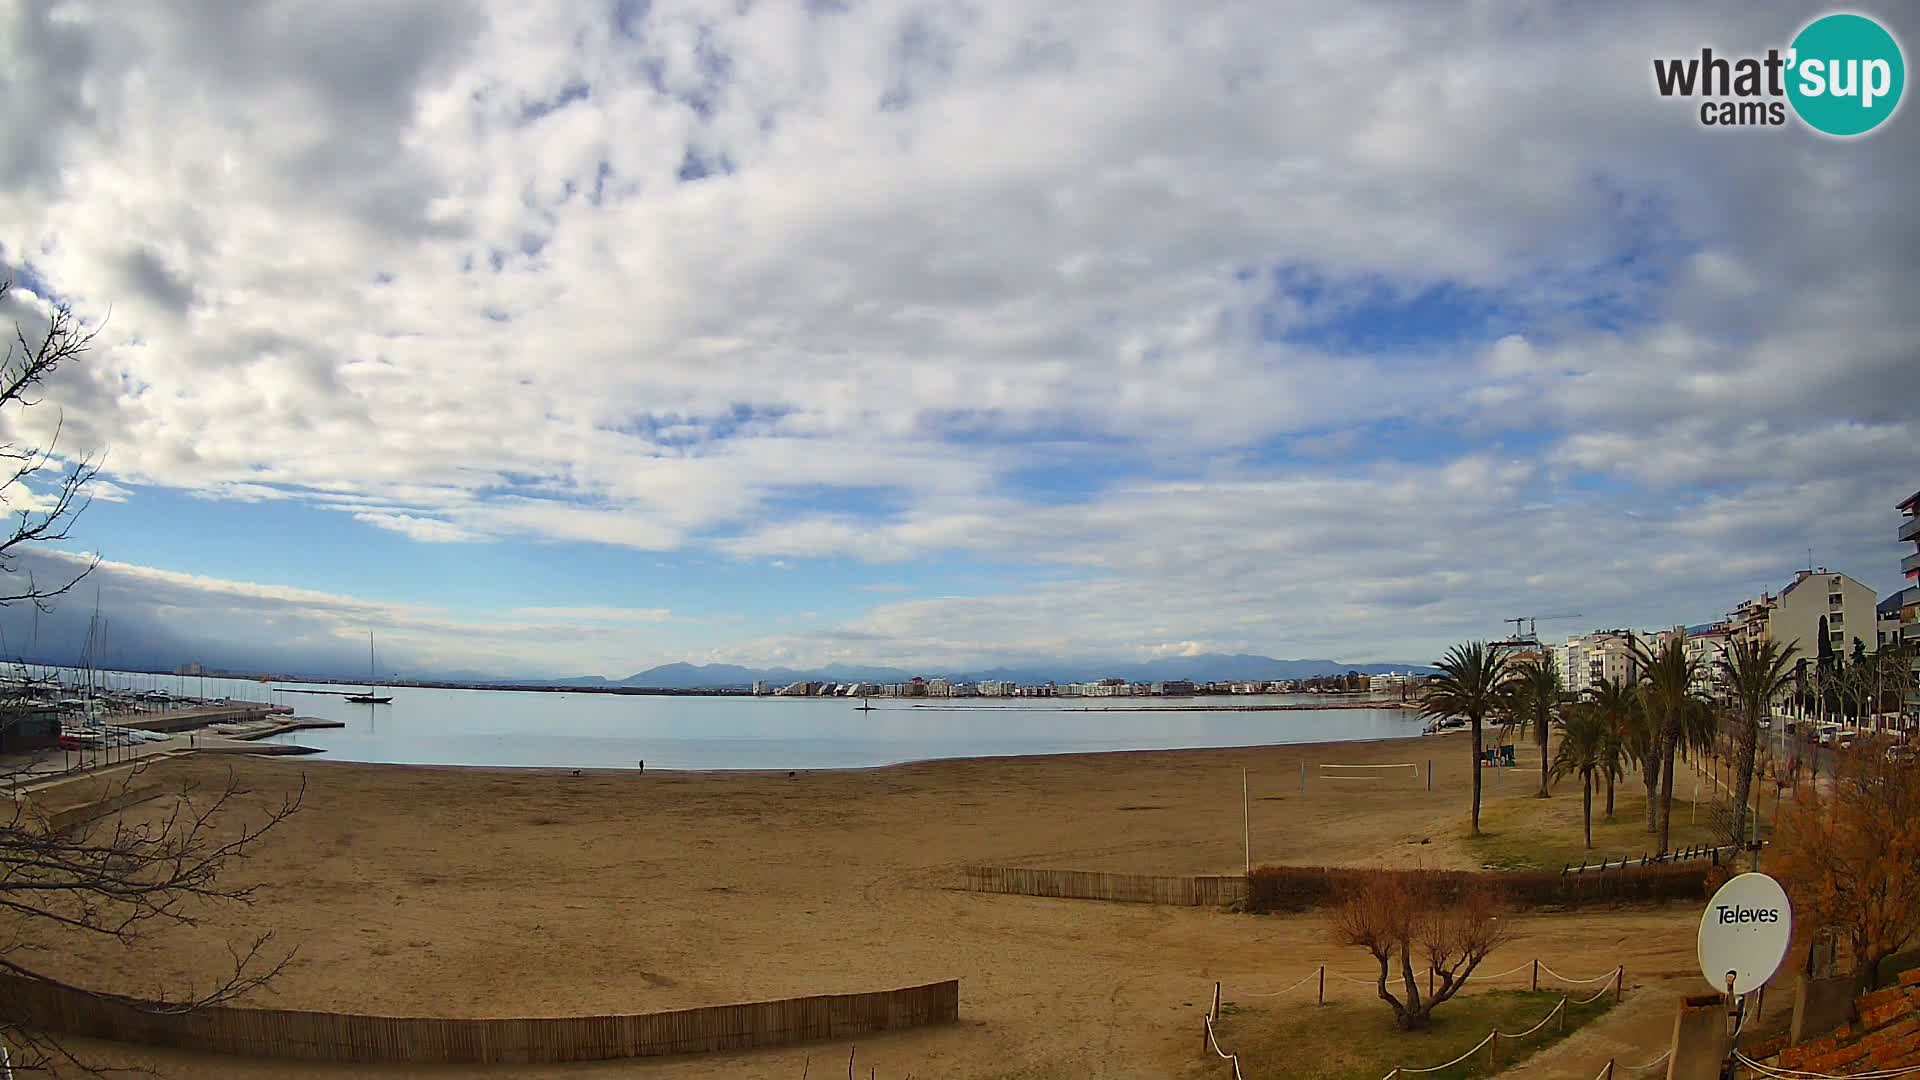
x: 137, y: 869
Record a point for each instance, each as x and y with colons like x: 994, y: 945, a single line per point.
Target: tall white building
x: 1706, y: 648
x: 1793, y: 617
x: 1588, y: 659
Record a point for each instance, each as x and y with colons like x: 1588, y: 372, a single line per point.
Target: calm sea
x: 576, y: 730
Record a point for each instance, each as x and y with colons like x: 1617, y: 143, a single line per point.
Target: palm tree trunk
x: 1609, y: 794
x: 1650, y: 772
x: 1669, y: 750
x: 1743, y: 781
x: 1586, y: 805
x: 1476, y: 776
x: 1541, y: 736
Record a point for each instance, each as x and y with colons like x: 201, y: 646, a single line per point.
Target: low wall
x: 1298, y: 888
x: 315, y: 1036
x: 1206, y: 891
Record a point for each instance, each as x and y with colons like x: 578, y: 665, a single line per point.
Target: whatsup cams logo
x: 1842, y: 75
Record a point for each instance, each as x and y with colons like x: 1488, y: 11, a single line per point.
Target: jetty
x: 196, y: 716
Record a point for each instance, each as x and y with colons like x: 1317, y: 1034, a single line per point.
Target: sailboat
x: 864, y: 707
x: 369, y: 698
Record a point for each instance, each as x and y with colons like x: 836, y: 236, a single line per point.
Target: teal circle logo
x: 1845, y: 74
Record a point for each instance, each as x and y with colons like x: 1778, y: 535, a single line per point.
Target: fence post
x: 1303, y: 778
x: 1536, y: 974
x: 1493, y: 1051
x: 1607, y: 1074
x: 1323, y: 985
x: 1429, y: 774
x: 1214, y: 1013
x: 1619, y: 982
x: 1563, y: 1015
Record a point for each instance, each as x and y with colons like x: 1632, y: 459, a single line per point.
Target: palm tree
x: 1669, y: 697
x: 1538, y: 694
x: 1618, y: 709
x: 1472, y: 685
x: 1583, y: 742
x: 1757, y: 672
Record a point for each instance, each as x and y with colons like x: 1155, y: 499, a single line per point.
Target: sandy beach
x: 480, y: 892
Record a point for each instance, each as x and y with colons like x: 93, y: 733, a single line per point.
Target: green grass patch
x: 1545, y: 834
x: 1357, y: 1040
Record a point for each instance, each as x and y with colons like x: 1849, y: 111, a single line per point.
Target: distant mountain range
x: 1206, y: 667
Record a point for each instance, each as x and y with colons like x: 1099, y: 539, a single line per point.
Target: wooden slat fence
x: 316, y: 1036
x: 1204, y: 891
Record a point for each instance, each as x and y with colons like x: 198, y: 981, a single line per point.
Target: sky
x: 574, y: 338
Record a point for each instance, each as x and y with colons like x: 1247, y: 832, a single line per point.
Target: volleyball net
x: 1406, y: 772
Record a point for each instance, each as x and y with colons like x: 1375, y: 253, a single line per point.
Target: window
x: 1834, y: 619
x: 1838, y: 637
x: 1833, y: 599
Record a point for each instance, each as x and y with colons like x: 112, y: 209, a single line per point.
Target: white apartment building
x: 1706, y: 648
x: 939, y: 688
x: 760, y: 687
x: 995, y: 688
x: 1793, y: 617
x: 1588, y: 659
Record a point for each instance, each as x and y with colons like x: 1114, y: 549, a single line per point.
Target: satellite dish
x: 1744, y: 933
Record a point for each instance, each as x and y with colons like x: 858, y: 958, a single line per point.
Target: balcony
x: 1910, y: 529
x: 1911, y: 564
x: 1910, y: 631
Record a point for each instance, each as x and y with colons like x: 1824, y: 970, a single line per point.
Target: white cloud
x: 466, y: 299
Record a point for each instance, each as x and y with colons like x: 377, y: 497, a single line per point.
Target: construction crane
x: 1531, y: 636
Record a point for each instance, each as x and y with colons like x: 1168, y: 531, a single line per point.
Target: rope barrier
x: 1233, y: 1059
x: 1536, y: 1027
x: 1558, y: 1009
x: 1513, y: 971
x: 1597, y: 995
x: 1477, y: 1047
x: 1371, y: 979
x: 1797, y: 1074
x: 1310, y: 977
x: 1661, y: 1060
x: 1579, y: 982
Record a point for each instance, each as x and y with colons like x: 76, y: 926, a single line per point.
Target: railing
x: 1910, y: 529
x: 1686, y: 854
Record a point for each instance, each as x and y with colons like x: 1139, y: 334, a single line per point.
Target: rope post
x: 1323, y: 985
x: 1429, y: 983
x: 1214, y: 1013
x: 1607, y: 1073
x: 1303, y: 778
x: 1619, y: 982
x: 1429, y: 774
x: 1493, y: 1051
x: 1536, y: 974
x: 1563, y: 1016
